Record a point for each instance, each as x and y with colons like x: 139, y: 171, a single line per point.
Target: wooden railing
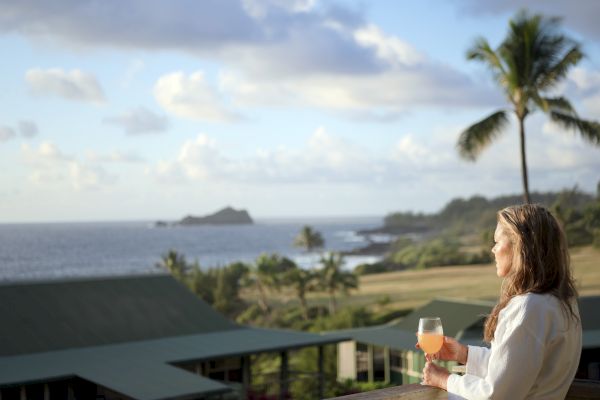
x: 580, y: 390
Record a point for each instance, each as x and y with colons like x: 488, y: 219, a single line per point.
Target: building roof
x: 52, y: 315
x: 124, y: 333
x: 462, y: 319
x: 458, y: 319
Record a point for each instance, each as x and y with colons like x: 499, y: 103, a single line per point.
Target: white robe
x: 534, y: 355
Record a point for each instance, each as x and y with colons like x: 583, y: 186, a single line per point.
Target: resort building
x: 387, y: 353
x: 137, y: 337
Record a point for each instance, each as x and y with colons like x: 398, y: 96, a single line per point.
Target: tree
x: 334, y: 279
x: 309, y: 239
x: 226, y: 292
x: 175, y: 264
x: 202, y: 283
x: 268, y: 273
x: 302, y: 281
x: 531, y: 61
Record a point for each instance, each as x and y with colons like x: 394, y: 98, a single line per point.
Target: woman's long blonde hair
x: 540, y: 262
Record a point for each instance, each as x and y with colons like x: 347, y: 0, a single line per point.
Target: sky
x: 144, y: 109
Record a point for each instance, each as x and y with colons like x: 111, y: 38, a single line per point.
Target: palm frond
x: 482, y: 51
x: 552, y: 74
x: 589, y: 130
x: 560, y: 104
x: 479, y: 135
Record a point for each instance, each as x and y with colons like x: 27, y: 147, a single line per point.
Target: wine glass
x: 430, y: 335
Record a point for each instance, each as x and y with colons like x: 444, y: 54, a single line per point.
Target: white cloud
x: 587, y: 85
x: 46, y: 152
x: 113, y: 157
x: 192, y: 97
x: 280, y: 52
x: 585, y: 79
x: 407, y: 149
x: 28, y: 129
x: 390, y: 49
x: 201, y: 159
x: 382, y: 97
x: 50, y: 166
x: 580, y: 16
x: 72, y: 85
x: 324, y: 158
x: 6, y: 133
x: 86, y: 177
x: 139, y: 121
x: 260, y: 8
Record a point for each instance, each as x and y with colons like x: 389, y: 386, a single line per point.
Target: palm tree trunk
x: 304, y: 306
x: 262, y: 299
x: 524, y: 160
x: 332, y: 303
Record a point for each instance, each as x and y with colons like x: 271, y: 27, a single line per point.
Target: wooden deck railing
x: 580, y: 390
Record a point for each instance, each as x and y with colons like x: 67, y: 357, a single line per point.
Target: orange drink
x: 431, y: 343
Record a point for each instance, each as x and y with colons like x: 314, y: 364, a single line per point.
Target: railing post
x: 283, y: 375
x: 246, y: 374
x: 321, y: 369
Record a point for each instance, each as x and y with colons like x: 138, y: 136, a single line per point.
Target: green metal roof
x: 124, y: 333
x: 462, y: 319
x: 458, y: 316
x: 143, y: 369
x: 43, y: 316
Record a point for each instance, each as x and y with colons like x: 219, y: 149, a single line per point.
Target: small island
x: 226, y: 216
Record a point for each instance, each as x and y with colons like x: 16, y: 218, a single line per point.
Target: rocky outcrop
x: 226, y: 216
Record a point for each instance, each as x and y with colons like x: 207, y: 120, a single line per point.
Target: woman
x: 534, y: 330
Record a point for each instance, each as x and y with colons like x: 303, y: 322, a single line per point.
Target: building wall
x: 347, y: 360
x: 405, y: 366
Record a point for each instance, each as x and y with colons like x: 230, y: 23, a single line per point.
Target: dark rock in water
x: 160, y: 224
x: 226, y: 216
x: 369, y: 250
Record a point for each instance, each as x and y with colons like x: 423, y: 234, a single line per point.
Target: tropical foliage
x: 269, y: 272
x: 531, y: 61
x: 334, y: 279
x: 174, y: 263
x: 309, y: 239
x: 438, y: 252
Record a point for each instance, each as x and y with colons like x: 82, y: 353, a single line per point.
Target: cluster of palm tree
x: 268, y: 274
x: 330, y: 277
x: 271, y: 273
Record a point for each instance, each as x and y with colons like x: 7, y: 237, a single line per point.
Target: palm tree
x: 175, y: 264
x: 309, y: 239
x: 532, y: 60
x: 302, y: 281
x: 334, y: 279
x: 268, y: 273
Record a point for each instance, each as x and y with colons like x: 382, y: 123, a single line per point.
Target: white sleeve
x: 477, y: 361
x: 515, y: 358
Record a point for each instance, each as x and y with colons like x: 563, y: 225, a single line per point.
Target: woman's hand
x: 451, y: 350
x: 434, y: 375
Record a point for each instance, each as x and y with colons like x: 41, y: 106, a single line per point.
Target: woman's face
x: 502, y: 252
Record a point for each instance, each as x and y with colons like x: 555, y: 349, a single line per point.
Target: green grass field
x: 410, y: 289
x: 404, y: 290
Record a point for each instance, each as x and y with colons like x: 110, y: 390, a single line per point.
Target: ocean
x: 63, y: 250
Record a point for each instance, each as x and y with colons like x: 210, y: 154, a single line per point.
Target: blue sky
x: 144, y: 110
